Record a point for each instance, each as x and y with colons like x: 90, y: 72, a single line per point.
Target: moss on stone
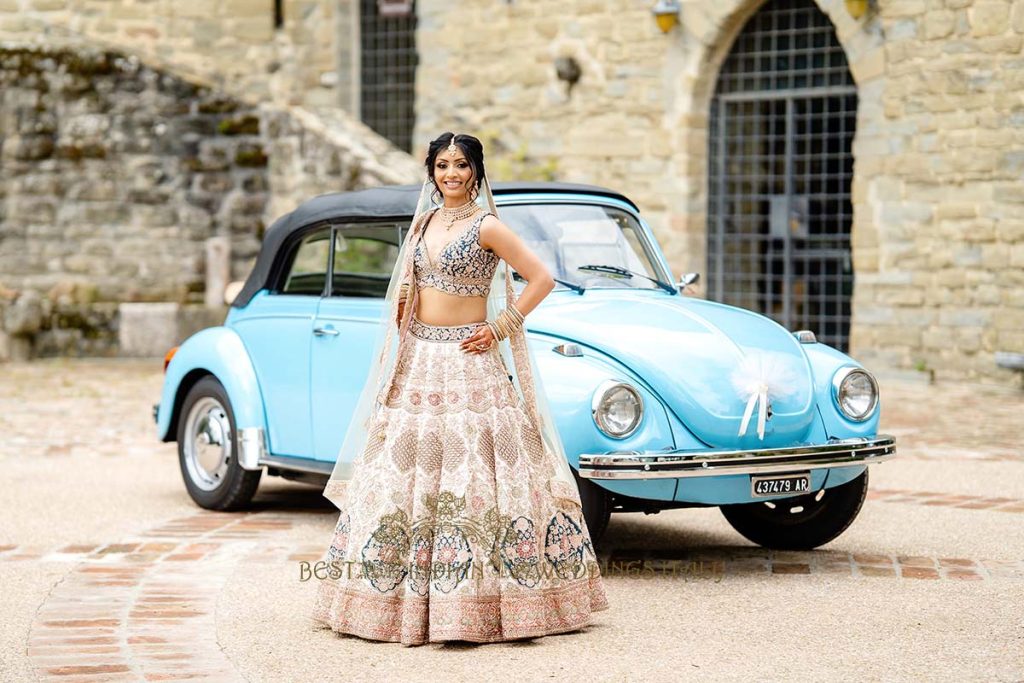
x: 250, y: 155
x: 242, y: 125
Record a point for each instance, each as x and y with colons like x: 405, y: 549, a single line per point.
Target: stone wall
x: 938, y: 237
x: 113, y: 175
x: 939, y: 214
x: 230, y: 45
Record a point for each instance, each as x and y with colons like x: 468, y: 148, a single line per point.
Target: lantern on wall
x: 858, y: 8
x: 666, y: 13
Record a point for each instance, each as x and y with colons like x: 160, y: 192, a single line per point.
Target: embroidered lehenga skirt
x: 449, y: 530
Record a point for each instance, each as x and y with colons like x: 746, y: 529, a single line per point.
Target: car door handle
x: 321, y: 331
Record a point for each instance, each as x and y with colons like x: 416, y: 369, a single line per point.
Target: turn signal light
x: 168, y: 356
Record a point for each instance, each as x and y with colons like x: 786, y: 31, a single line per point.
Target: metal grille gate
x: 388, y: 71
x: 780, y: 165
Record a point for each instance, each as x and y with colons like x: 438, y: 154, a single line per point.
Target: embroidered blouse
x: 463, y: 268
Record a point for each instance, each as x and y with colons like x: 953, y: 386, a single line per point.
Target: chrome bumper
x: 711, y: 463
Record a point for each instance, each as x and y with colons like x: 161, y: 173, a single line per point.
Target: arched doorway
x: 780, y: 167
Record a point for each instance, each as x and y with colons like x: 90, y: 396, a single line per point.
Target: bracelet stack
x: 403, y: 291
x: 507, y: 323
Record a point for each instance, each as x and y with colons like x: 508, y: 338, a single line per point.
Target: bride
x: 459, y: 515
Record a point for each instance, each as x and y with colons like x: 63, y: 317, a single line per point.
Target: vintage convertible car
x: 662, y: 400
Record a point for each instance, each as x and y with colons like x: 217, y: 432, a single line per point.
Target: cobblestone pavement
x: 111, y: 573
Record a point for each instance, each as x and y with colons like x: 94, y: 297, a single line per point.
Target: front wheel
x: 802, y: 522
x: 596, y: 506
x: 208, y: 450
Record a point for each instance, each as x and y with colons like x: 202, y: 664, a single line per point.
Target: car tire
x: 596, y: 507
x: 802, y: 522
x: 208, y: 450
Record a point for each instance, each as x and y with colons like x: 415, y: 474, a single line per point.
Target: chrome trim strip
x: 709, y: 463
x: 252, y: 448
x: 298, y: 464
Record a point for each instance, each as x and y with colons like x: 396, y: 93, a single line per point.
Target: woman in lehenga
x: 460, y: 518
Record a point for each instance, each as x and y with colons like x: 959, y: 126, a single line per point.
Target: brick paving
x: 142, y: 607
x: 941, y: 499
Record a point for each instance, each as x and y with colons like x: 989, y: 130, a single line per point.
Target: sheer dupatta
x: 516, y: 355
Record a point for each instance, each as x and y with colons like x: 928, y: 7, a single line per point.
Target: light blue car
x: 662, y: 400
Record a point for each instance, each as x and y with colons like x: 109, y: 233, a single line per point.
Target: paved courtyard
x: 110, y: 572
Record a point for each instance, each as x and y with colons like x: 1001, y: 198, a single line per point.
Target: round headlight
x: 856, y: 392
x: 617, y: 409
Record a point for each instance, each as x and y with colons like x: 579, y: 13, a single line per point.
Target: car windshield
x: 567, y: 237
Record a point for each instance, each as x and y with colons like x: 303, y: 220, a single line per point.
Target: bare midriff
x: 435, y: 307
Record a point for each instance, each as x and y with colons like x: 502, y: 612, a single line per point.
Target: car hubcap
x: 208, y: 443
x: 793, y: 510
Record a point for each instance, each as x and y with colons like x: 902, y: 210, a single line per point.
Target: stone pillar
x: 218, y: 270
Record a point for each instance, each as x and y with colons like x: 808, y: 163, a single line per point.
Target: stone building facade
x: 934, y: 226
x: 937, y: 226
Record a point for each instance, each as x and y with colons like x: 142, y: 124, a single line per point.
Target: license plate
x: 780, y: 484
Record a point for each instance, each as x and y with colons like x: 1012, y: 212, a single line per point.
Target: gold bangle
x: 502, y: 322
x: 507, y: 321
x: 515, y: 312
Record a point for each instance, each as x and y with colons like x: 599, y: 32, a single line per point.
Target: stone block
x: 904, y: 8
x: 48, y: 5
x: 995, y: 256
x: 1017, y: 256
x: 1010, y: 230
x: 1017, y: 20
x: 967, y: 255
x: 939, y: 24
x: 955, y: 210
x: 1008, y: 318
x: 988, y: 18
x: 25, y: 315
x: 1004, y: 44
x: 1010, y: 193
x: 248, y: 8
x: 964, y: 317
x: 147, y: 329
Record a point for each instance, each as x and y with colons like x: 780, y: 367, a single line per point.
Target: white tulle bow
x: 759, y: 377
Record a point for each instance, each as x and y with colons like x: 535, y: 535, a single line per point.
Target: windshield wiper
x: 615, y: 270
x: 570, y: 285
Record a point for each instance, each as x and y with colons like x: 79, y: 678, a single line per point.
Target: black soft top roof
x: 387, y: 202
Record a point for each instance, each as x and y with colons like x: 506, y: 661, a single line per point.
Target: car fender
x: 569, y: 383
x: 825, y: 361
x: 216, y: 351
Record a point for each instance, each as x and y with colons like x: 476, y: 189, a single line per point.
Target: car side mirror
x: 687, y: 280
